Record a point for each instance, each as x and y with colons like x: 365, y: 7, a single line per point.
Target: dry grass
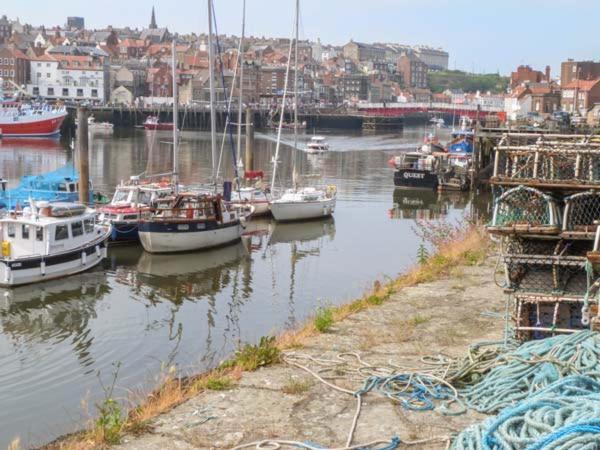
x: 296, y: 387
x: 469, y: 250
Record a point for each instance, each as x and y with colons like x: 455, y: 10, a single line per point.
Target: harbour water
x: 147, y: 312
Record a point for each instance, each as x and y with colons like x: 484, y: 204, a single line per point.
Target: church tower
x: 153, y: 21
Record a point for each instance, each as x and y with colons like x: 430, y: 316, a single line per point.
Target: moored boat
x: 255, y: 196
x: 153, y: 123
x: 28, y: 120
x: 415, y: 170
x: 50, y: 240
x: 304, y: 204
x: 317, y: 144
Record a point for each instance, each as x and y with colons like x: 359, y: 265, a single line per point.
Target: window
x: 39, y: 75
x: 88, y: 225
x: 36, y: 90
x: 62, y: 187
x: 79, y: 92
x: 65, y: 92
x: 12, y: 61
x: 47, y: 75
x: 25, y: 231
x: 61, y: 232
x: 6, y: 61
x: 39, y: 64
x: 76, y: 229
x: 47, y: 64
x: 94, y: 92
x: 12, y: 73
x: 10, y: 230
x: 50, y: 91
x: 39, y: 233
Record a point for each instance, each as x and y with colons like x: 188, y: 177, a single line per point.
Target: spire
x: 153, y: 20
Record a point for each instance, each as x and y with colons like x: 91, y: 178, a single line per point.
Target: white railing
x: 429, y: 105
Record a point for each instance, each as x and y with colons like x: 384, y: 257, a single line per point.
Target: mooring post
x: 83, y: 154
x: 249, y: 163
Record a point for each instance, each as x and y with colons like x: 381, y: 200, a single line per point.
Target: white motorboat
x: 99, y: 127
x: 253, y: 197
x: 50, y: 240
x: 189, y: 222
x: 304, y: 204
x: 317, y: 144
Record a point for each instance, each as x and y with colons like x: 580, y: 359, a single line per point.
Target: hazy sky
x: 480, y: 35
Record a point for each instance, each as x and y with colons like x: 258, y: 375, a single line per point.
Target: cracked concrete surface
x: 448, y: 318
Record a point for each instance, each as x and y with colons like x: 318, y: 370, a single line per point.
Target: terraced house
x: 14, y: 68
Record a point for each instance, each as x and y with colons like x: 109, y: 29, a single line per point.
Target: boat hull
x: 415, y: 179
x: 33, y: 126
x: 123, y: 232
x: 158, y: 126
x: 172, y: 237
x: 37, y: 269
x: 292, y: 211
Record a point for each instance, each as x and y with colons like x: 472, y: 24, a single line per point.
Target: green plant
x: 219, y: 383
x: 251, y: 357
x: 422, y: 253
x: 324, y: 318
x: 375, y: 299
x: 110, y: 419
x: 419, y: 320
x: 296, y: 387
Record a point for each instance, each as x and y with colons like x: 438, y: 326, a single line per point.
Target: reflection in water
x: 56, y: 311
x: 193, y: 309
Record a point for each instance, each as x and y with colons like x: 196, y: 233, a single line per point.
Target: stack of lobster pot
x: 546, y: 215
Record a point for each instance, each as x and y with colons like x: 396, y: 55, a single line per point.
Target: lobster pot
x: 541, y: 316
x: 525, y: 210
x: 514, y: 165
x: 557, y: 166
x: 546, y: 266
x: 580, y: 214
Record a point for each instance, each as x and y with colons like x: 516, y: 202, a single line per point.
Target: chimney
x: 548, y: 74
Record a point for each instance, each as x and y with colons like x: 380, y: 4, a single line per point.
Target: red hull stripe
x: 45, y: 127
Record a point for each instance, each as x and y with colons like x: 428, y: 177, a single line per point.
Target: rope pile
x: 564, y: 415
x: 518, y: 374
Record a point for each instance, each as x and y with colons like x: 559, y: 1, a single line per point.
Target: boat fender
x: 43, y: 268
x: 6, y: 249
x: 83, y: 258
x: 98, y: 252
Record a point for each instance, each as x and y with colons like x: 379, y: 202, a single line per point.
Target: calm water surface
x: 192, y: 310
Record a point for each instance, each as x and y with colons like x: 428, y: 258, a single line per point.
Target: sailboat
x: 191, y: 220
x: 297, y: 203
x: 254, y: 196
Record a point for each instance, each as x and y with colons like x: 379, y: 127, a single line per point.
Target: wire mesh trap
x: 525, y: 210
x: 581, y: 213
x: 546, y: 266
x: 541, y: 316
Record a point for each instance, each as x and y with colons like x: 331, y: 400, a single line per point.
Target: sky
x: 481, y: 36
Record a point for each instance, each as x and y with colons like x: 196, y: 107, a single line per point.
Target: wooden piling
x: 83, y: 154
x: 249, y: 163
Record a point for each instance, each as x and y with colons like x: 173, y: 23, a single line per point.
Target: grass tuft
x: 324, y: 319
x: 296, y: 387
x: 251, y: 357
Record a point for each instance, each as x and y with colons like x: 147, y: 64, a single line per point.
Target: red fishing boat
x: 153, y: 123
x: 24, y: 120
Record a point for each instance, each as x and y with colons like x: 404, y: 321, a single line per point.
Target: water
x: 146, y: 311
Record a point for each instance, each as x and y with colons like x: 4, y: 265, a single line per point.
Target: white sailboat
x: 297, y: 203
x: 192, y: 220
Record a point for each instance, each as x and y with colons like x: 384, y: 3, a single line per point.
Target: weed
x: 296, y: 387
x: 422, y: 253
x: 324, y: 319
x: 110, y: 416
x: 219, y: 383
x: 251, y: 357
x: 419, y: 320
x: 375, y: 299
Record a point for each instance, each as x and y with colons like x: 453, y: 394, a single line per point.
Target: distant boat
x: 153, y: 123
x: 59, y: 185
x: 30, y: 120
x: 98, y: 127
x: 317, y: 144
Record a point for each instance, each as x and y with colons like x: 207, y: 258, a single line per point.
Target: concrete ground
x: 285, y: 402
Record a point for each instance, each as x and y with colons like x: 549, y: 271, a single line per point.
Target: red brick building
x: 578, y: 70
x: 580, y: 95
x: 413, y: 71
x: 525, y: 74
x: 14, y: 67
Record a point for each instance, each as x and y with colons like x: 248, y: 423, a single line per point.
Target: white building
x: 69, y: 77
x: 518, y: 103
x: 435, y: 58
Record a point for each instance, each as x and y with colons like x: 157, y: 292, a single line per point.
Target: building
x: 75, y: 23
x: 435, y: 58
x: 518, y: 103
x: 545, y: 98
x: 358, y: 51
x: 580, y: 95
x: 14, y: 69
x: 354, y: 87
x: 272, y: 80
x: 413, y: 70
x: 578, y: 70
x: 525, y: 74
x: 69, y: 77
x: 5, y: 29
x: 121, y: 96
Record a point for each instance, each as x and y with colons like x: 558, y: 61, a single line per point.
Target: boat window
x: 76, y: 228
x: 61, y: 232
x: 62, y: 187
x: 89, y: 225
x: 10, y: 230
x: 130, y: 217
x: 121, y: 196
x: 72, y: 187
x: 145, y: 197
x: 24, y: 231
x: 39, y: 233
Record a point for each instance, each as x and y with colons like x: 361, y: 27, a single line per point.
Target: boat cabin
x: 414, y: 161
x: 194, y: 207
x: 47, y: 229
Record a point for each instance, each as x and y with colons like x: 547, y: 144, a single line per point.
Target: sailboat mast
x: 175, y: 122
x: 211, y: 74
x: 294, y: 175
x: 285, y: 89
x: 241, y: 89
